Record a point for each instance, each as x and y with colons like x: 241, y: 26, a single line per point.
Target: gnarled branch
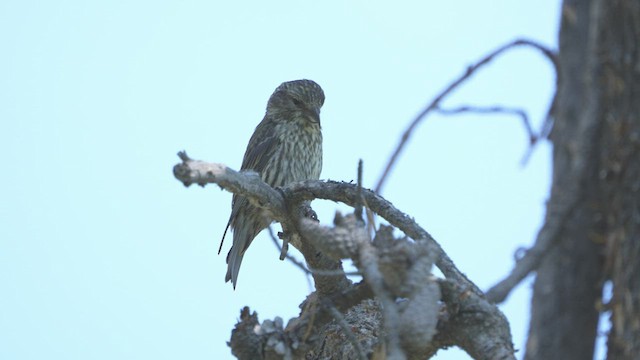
x: 397, y: 272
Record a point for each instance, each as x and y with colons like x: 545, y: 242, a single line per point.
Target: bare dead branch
x: 348, y: 194
x: 302, y: 266
x: 473, y: 324
x: 548, y: 236
x: 246, y: 184
x: 548, y: 53
x: 262, y: 195
x: 387, y: 276
x: 392, y: 269
x: 348, y: 239
x: 566, y: 194
x: 496, y: 109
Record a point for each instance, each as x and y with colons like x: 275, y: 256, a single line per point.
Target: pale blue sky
x: 104, y: 255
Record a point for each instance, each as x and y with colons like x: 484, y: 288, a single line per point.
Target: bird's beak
x: 315, y: 115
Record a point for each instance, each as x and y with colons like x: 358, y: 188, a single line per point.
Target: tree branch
x: 548, y: 53
x: 472, y: 323
x: 548, y: 237
x: 393, y: 269
x: 533, y: 137
x: 262, y: 195
x: 568, y: 188
x: 247, y: 184
x: 349, y: 194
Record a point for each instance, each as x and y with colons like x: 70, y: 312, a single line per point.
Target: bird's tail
x: 234, y: 259
x: 245, y: 229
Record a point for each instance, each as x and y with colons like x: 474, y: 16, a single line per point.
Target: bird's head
x: 298, y: 99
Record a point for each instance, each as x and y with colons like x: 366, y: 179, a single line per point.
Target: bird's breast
x: 298, y: 157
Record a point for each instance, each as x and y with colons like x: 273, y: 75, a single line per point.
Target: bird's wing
x: 263, y: 145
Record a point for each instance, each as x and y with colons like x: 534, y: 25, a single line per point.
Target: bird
x: 285, y: 147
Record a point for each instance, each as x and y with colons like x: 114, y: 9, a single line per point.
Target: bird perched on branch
x: 285, y: 147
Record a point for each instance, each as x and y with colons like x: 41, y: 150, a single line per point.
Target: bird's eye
x: 297, y: 102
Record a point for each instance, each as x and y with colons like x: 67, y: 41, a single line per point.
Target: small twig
x: 295, y: 261
x: 302, y: 266
x: 183, y: 156
x: 496, y: 109
x: 547, y: 238
x: 547, y: 125
x: 452, y: 86
x: 371, y: 225
x: 284, y: 249
x: 358, y: 208
x: 371, y: 219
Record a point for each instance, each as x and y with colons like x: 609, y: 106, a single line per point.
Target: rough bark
x: 596, y: 153
x: 564, y: 318
x: 620, y: 170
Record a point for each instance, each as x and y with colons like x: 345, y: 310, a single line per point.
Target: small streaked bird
x: 285, y: 147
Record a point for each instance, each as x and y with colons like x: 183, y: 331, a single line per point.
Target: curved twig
x: 348, y: 194
x: 548, y: 53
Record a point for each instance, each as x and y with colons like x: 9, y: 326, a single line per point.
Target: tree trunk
x: 596, y: 140
x: 620, y: 170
